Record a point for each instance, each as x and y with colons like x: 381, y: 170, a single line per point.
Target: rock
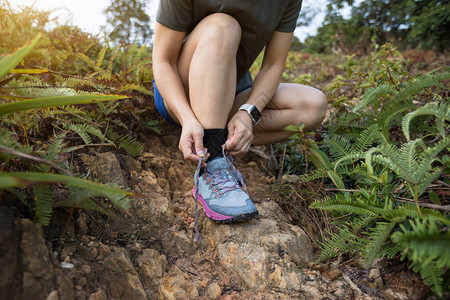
x: 99, y: 295
x: 277, y: 238
x: 261, y: 254
x: 375, y: 277
x: 271, y: 210
x: 117, y: 273
x: 213, y: 290
x: 248, y: 262
x: 65, y: 285
x: 173, y: 287
x: 313, y: 291
x: 133, y: 166
x: 36, y: 264
x: 257, y: 153
x: 332, y: 275
x: 66, y: 265
x: 152, y: 267
x: 9, y: 253
x: 81, y: 224
x: 105, y: 167
x: 53, y: 296
x: 283, y: 279
x: 86, y: 269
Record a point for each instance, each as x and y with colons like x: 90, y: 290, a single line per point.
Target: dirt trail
x: 150, y: 252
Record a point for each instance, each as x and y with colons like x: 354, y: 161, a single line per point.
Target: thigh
x: 289, y: 96
x: 210, y: 25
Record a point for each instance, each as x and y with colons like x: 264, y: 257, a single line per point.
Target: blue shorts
x: 243, y: 85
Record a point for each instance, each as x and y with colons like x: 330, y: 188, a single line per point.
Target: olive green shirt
x: 258, y: 20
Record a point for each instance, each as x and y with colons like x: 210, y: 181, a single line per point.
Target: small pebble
x: 86, y: 269
x: 66, y: 265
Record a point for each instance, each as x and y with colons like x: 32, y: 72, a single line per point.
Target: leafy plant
x: 39, y: 176
x: 383, y: 152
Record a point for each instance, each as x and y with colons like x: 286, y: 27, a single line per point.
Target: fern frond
x: 345, y: 240
x: 410, y: 211
x: 402, y: 101
x: 101, y: 56
x: 6, y: 138
x: 440, y: 110
x: 343, y: 205
x: 431, y: 274
x: 377, y: 236
x: 390, y: 110
x: 427, y: 180
x: 372, y: 94
x: 55, y: 147
x: 426, y: 158
x: 368, y: 137
x: 88, y: 61
x: 339, y: 146
x: 80, y: 129
x: 424, y: 242
x: 135, y: 87
x: 407, y: 155
x: 390, y: 250
x: 349, y: 159
x: 43, y: 197
x: 126, y: 142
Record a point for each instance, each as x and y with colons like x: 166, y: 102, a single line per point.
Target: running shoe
x: 223, y: 194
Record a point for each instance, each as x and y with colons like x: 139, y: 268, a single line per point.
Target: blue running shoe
x: 223, y: 194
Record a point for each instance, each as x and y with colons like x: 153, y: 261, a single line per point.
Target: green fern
x: 55, y: 147
x: 345, y: 239
x: 440, y: 110
x: 43, y: 198
x: 402, y: 100
x: 372, y: 94
x: 377, y: 237
x: 343, y: 204
x: 339, y: 146
x: 424, y: 242
x: 368, y: 137
x: 126, y: 142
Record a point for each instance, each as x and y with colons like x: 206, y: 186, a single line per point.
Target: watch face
x: 256, y: 115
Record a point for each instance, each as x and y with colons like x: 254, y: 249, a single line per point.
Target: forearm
x: 265, y: 86
x: 171, y: 88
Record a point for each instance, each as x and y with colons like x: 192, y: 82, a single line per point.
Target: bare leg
x: 291, y: 104
x: 207, y: 67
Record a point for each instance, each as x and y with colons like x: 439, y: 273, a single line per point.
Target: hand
x: 191, y: 142
x: 240, y: 133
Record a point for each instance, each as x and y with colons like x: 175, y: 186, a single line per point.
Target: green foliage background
x: 383, y: 150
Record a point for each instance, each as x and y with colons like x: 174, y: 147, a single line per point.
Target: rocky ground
x: 150, y: 251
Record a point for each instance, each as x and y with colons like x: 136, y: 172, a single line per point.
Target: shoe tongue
x: 217, y: 164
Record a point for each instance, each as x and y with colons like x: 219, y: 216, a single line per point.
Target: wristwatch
x: 252, y: 111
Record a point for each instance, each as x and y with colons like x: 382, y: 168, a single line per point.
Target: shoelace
x: 219, y: 191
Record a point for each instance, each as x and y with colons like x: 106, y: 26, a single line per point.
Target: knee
x: 223, y: 28
x: 320, y: 106
x: 318, y: 109
x: 312, y: 111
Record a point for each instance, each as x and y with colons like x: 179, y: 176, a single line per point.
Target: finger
x: 198, y: 143
x: 204, y: 160
x: 188, y: 154
x: 232, y: 144
x: 240, y: 144
x: 230, y: 137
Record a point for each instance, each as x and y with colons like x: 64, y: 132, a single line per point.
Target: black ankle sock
x: 213, y: 141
